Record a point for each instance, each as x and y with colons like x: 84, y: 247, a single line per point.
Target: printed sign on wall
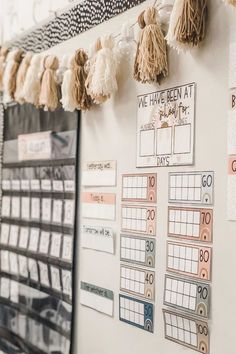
x: 165, y: 127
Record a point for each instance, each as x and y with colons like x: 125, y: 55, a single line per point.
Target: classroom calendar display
x: 137, y: 249
x: 187, y: 289
x: 37, y: 230
x: 165, y: 127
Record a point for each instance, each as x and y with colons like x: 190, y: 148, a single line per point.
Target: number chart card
x: 136, y: 312
x: 99, y: 174
x: 99, y: 205
x: 165, y: 127
x: 191, y: 187
x: 139, y: 187
x: 139, y: 282
x: 186, y: 331
x: 190, y: 224
x: 97, y: 298
x: 189, y: 260
x: 187, y: 295
x: 138, y: 250
x: 138, y: 219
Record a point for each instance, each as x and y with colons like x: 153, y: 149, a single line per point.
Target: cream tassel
x: 49, y: 92
x: 21, y: 76
x: 103, y: 76
x: 187, y: 24
x: 9, y: 79
x: 151, y: 63
x: 63, y: 66
x: 68, y: 98
x: 230, y: 2
x: 31, y: 88
x: 3, y: 55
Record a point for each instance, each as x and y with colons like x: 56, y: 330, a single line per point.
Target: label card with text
x: 191, y: 187
x: 36, y: 146
x: 99, y: 174
x: 165, y: 127
x: 99, y: 205
x: 97, y: 298
x: 139, y: 187
x: 189, y: 332
x: 98, y: 238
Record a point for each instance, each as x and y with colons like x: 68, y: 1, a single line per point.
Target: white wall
x: 109, y: 132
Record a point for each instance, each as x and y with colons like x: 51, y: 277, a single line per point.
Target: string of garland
x: 80, y: 81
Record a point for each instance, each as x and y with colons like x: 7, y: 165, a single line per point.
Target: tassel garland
x: 187, y: 24
x: 3, y: 55
x: 9, y: 78
x: 21, y: 76
x: 151, y: 63
x: 31, y: 88
x: 49, y: 92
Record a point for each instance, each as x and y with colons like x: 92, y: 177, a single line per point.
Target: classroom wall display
x: 37, y: 236
x: 165, y: 127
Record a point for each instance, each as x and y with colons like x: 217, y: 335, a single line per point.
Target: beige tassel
x: 187, y: 24
x: 9, y: 79
x: 49, y: 92
x: 94, y: 49
x: 151, y: 63
x: 3, y: 54
x: 79, y: 76
x: 230, y: 2
x: 21, y: 76
x: 31, y: 89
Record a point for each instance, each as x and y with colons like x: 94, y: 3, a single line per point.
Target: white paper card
x: 23, y: 266
x: 5, y: 288
x: 55, y: 278
x: 15, y: 207
x: 33, y: 269
x: 35, y: 146
x: 57, y: 211
x: 99, y: 205
x: 98, y: 238
x: 34, y: 240
x: 35, y: 208
x: 44, y: 242
x: 14, y: 232
x: 35, y: 184
x: 46, y: 209
x: 44, y: 276
x: 55, y: 245
x: 67, y: 248
x: 24, y: 237
x: 69, y: 206
x: 6, y: 206
x: 25, y: 208
x: 99, y: 173
x: 67, y: 282
x: 5, y: 230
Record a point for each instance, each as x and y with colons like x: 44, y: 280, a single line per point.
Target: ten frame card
x: 165, y: 127
x: 139, y: 187
x: 138, y: 250
x: 191, y: 187
x: 190, y: 224
x: 187, y: 295
x: 190, y: 260
x: 139, y: 282
x: 136, y: 312
x: 138, y: 219
x: 190, y: 332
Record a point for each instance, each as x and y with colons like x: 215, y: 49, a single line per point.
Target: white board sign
x: 165, y: 127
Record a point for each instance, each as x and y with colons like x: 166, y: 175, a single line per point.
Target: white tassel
x: 63, y: 66
x: 31, y: 87
x: 171, y: 37
x: 67, y: 100
x: 103, y: 80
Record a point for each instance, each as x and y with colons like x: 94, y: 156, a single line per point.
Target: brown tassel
x: 49, y: 92
x: 79, y: 77
x: 151, y: 63
x: 232, y: 2
x: 20, y: 78
x: 3, y: 54
x: 191, y: 25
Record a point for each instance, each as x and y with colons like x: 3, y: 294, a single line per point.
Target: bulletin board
x: 38, y: 230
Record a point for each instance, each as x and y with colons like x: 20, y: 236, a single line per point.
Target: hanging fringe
x: 79, y: 76
x: 63, y: 66
x: 68, y: 98
x: 230, y: 2
x: 21, y: 77
x: 187, y: 24
x: 3, y: 55
x: 31, y: 88
x: 101, y: 82
x: 9, y: 78
x: 151, y: 63
x: 49, y: 92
